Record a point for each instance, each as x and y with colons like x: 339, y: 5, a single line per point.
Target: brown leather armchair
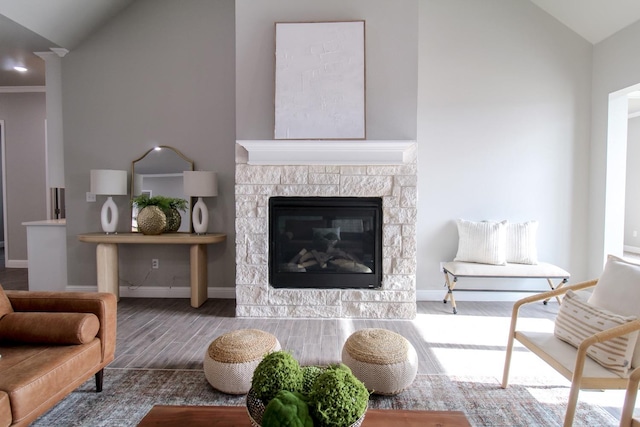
x: 50, y: 343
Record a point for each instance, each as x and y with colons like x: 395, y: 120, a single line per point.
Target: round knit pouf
x: 231, y: 358
x: 383, y: 360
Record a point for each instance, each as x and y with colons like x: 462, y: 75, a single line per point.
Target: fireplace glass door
x: 325, y: 242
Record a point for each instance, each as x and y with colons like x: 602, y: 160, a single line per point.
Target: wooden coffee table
x: 219, y: 416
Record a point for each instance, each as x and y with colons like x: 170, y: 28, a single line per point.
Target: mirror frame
x: 133, y: 164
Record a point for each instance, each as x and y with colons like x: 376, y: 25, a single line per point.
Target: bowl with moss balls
x: 283, y: 393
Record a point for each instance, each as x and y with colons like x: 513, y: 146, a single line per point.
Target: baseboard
x: 161, y: 292
x: 632, y: 249
x: 230, y: 293
x: 464, y: 295
x: 17, y: 263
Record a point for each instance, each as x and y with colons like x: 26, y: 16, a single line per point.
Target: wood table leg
x: 107, y: 267
x: 199, y: 279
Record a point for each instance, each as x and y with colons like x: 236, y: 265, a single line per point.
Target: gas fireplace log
x: 321, y: 257
x: 308, y: 263
x: 299, y: 255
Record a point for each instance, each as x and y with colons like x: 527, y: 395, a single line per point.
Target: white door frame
x: 4, y: 192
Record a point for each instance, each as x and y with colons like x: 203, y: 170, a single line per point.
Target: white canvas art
x: 320, y: 80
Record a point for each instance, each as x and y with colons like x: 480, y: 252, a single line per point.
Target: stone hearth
x: 396, y: 184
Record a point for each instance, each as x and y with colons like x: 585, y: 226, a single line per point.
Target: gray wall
x: 503, y: 129
x: 497, y: 94
x: 616, y: 66
x: 632, y: 201
x: 391, y: 30
x: 162, y: 72
x: 24, y: 119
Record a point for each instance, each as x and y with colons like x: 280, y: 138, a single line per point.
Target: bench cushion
x: 541, y: 270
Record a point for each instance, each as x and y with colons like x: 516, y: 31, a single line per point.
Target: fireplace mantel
x: 327, y: 152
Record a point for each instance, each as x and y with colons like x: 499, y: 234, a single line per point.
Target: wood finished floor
x: 170, y: 334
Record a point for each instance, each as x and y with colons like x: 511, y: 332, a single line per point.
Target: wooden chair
x: 627, y: 420
x: 571, y: 362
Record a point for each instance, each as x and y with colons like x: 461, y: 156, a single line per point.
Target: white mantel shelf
x: 327, y: 152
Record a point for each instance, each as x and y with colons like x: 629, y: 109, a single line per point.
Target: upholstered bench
x: 456, y: 269
x: 383, y: 360
x: 231, y: 358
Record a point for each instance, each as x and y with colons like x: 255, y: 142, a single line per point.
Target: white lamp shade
x: 109, y: 182
x: 200, y: 183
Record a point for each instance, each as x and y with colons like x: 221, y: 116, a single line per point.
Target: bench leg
x: 561, y: 284
x: 449, y: 295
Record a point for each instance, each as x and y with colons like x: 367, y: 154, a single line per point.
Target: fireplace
x: 384, y: 171
x: 325, y: 242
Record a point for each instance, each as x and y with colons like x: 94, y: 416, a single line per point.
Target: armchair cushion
x: 49, y: 328
x: 578, y: 320
x: 618, y: 290
x: 5, y: 304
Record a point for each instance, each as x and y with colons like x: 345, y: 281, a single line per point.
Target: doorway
x: 616, y: 170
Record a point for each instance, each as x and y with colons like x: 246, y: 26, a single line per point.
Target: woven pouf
x: 231, y: 358
x: 383, y: 360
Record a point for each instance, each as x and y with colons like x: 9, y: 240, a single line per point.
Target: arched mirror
x: 159, y: 173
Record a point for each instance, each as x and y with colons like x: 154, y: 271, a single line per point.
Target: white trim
x: 632, y: 249
x: 327, y: 152
x: 22, y: 89
x: 16, y: 263
x: 3, y: 153
x: 438, y: 295
x: 634, y: 115
x: 161, y: 291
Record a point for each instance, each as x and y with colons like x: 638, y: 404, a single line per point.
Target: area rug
x: 129, y: 394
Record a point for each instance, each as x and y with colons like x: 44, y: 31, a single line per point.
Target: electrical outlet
x: 635, y: 233
x: 155, y: 263
x: 91, y: 197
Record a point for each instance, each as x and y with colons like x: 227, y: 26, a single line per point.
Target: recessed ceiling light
x: 21, y: 69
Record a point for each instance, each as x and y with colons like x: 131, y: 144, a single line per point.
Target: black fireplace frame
x: 320, y: 279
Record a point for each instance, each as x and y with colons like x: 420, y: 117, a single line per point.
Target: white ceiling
x: 28, y: 26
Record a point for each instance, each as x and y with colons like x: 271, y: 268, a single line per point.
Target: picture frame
x: 320, y: 80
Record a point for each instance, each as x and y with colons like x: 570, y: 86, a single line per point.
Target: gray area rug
x: 129, y: 394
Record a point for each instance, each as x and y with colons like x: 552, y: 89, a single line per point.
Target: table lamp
x: 108, y: 182
x: 200, y: 184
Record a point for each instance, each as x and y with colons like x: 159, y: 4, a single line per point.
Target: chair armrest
x: 608, y: 334
x: 556, y: 292
x: 541, y: 297
x: 103, y: 305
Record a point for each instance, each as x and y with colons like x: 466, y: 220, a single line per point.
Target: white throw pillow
x: 521, y: 242
x: 578, y: 320
x: 618, y: 290
x: 482, y: 242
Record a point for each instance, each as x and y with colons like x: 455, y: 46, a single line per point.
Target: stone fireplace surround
x: 314, y: 168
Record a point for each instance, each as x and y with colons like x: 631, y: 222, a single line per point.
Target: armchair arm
x: 556, y: 292
x: 103, y: 305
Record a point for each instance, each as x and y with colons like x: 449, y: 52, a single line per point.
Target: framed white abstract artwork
x: 320, y: 80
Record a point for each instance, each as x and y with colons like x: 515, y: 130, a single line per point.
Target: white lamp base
x: 109, y: 216
x: 200, y: 217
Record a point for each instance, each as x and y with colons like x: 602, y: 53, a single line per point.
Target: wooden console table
x: 225, y: 416
x: 107, y: 257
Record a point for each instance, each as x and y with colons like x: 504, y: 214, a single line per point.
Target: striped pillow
x: 482, y: 242
x: 521, y: 242
x: 578, y: 320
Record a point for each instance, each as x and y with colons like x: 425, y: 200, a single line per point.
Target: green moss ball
x: 277, y: 371
x: 309, y: 375
x: 337, y: 398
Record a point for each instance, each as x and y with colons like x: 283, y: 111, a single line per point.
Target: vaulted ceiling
x: 28, y: 26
